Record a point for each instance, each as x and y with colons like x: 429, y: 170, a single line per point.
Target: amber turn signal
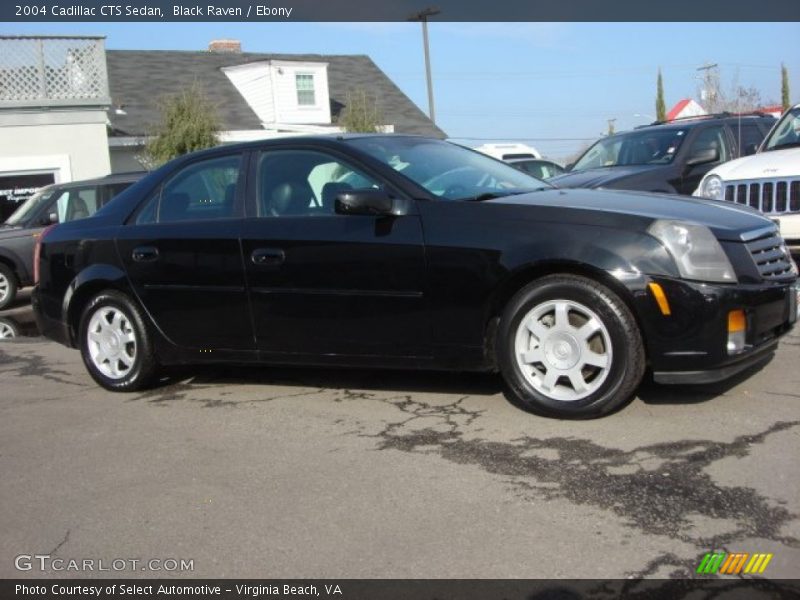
x: 661, y: 298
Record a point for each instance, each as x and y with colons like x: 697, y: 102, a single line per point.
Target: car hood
x: 8, y: 232
x: 727, y: 221
x: 764, y: 165
x: 592, y: 178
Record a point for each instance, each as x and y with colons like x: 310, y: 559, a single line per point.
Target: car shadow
x: 445, y: 382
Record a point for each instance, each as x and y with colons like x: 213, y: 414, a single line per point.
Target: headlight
x: 712, y: 188
x: 696, y: 251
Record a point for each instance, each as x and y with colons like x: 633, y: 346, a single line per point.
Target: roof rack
x: 721, y: 115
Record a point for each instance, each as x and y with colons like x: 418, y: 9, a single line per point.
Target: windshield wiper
x: 493, y: 195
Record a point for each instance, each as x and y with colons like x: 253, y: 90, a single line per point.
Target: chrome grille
x: 774, y: 197
x: 771, y: 256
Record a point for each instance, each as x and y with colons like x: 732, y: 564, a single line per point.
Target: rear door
x: 182, y: 255
x: 322, y: 283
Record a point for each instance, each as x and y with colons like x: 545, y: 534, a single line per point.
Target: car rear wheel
x: 569, y: 347
x: 8, y: 287
x: 115, y: 343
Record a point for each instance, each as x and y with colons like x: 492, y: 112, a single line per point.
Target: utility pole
x: 710, y: 92
x: 422, y: 16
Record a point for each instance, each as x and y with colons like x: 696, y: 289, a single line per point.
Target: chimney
x: 222, y: 46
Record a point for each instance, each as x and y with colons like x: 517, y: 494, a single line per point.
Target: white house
x: 53, y: 113
x: 71, y: 110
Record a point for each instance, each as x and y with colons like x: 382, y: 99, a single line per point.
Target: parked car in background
x: 768, y: 181
x: 509, y: 151
x: 14, y: 327
x: 56, y: 203
x: 666, y: 157
x: 538, y: 167
x: 366, y: 250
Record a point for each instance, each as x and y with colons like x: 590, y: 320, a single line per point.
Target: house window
x: 305, y: 89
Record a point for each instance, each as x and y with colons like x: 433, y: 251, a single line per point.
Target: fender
x: 17, y: 264
x: 86, y: 282
x: 622, y: 266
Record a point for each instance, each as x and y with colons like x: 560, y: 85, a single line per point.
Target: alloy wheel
x: 112, y: 342
x: 563, y: 350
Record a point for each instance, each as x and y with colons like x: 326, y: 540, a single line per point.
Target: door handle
x: 268, y: 257
x: 145, y: 254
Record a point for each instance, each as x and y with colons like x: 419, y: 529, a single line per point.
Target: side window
x: 202, y: 190
x: 538, y: 170
x: 304, y: 182
x: 748, y: 136
x: 712, y: 138
x: 75, y: 203
x: 115, y: 189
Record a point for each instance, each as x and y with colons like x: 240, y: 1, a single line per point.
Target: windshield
x: 786, y: 132
x: 29, y: 207
x: 646, y: 147
x: 446, y: 170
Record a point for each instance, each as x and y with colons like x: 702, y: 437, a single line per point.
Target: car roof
x: 700, y: 120
x: 330, y: 139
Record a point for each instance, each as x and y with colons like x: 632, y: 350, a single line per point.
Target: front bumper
x: 690, y: 344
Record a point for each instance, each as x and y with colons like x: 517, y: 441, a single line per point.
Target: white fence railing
x: 53, y: 71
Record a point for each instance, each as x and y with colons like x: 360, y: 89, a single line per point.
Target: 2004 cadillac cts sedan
x: 400, y: 251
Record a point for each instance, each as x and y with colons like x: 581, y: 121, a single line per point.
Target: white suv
x: 768, y: 180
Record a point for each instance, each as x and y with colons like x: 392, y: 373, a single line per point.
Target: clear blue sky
x: 512, y: 80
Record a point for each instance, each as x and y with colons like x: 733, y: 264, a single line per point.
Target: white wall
x: 254, y: 84
x: 270, y: 89
x: 287, y: 110
x: 123, y: 159
x: 74, y: 145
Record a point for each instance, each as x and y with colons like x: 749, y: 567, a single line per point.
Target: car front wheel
x: 115, y: 343
x: 569, y: 347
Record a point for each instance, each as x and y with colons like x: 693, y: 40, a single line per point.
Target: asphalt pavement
x: 266, y: 472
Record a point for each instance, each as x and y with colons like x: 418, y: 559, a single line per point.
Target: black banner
x: 372, y: 10
x: 393, y: 589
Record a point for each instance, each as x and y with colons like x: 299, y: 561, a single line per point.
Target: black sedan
x: 399, y: 251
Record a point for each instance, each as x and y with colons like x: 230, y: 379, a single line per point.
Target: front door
x: 322, y: 283
x: 182, y: 255
x: 710, y: 138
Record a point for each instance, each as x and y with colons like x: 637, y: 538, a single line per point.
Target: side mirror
x: 49, y: 219
x: 364, y: 202
x: 701, y: 157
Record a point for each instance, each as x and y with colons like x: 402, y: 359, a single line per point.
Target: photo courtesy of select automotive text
x: 417, y: 300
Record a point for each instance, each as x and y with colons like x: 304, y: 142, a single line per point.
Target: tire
x: 8, y: 329
x: 569, y: 347
x: 116, y: 344
x: 8, y: 286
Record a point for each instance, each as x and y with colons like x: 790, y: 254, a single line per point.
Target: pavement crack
x: 64, y: 541
x: 657, y: 488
